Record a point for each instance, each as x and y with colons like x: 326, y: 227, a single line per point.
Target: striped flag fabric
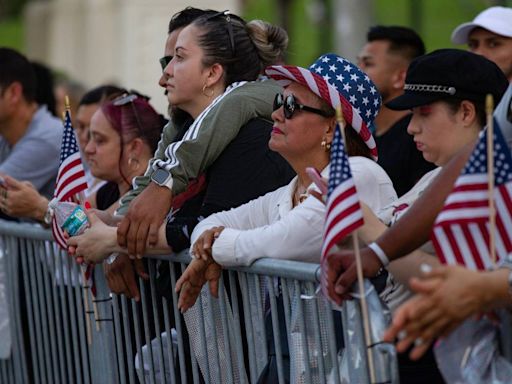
x: 461, y: 231
x: 344, y: 213
x: 70, y: 177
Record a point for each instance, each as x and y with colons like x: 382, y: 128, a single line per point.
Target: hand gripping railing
x: 268, y: 320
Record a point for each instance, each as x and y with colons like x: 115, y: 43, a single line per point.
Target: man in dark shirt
x: 385, y: 58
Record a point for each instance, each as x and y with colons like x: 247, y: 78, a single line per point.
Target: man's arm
x: 190, y: 157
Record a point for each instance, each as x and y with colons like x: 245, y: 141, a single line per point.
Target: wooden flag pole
x: 81, y: 199
x: 360, y: 278
x: 489, y: 107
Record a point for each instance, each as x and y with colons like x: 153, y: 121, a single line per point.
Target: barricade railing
x: 268, y: 322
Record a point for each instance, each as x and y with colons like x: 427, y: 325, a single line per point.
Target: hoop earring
x: 325, y: 145
x: 133, y: 160
x: 204, y: 91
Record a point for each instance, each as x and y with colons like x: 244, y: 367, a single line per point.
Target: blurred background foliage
x: 310, y: 22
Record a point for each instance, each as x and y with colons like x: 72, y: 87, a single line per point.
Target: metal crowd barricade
x: 268, y: 319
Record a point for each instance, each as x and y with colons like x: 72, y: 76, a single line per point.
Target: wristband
x: 380, y: 253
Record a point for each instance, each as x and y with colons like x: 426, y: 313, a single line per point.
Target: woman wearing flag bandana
x: 288, y: 223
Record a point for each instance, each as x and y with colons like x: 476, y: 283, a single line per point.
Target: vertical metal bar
x: 227, y: 329
x: 80, y: 314
x: 47, y: 275
x: 43, y: 324
x: 286, y: 304
x: 128, y: 338
x: 72, y: 319
x: 156, y: 320
x: 10, y: 369
x: 12, y: 261
x: 39, y: 355
x: 202, y: 337
x: 318, y: 337
x: 300, y: 316
x: 179, y: 328
x: 57, y: 313
x: 275, y: 330
x: 237, y: 322
x: 64, y: 317
x: 332, y: 342
x: 147, y: 334
x: 248, y: 326
x: 136, y: 327
x: 260, y: 309
x: 84, y: 347
x: 170, y: 346
x: 214, y: 339
x: 3, y: 370
x: 119, y: 341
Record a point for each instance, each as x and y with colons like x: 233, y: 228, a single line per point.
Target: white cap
x: 494, y: 19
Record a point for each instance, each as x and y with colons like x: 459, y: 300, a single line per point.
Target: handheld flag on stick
x: 71, y: 176
x: 461, y: 233
x: 344, y: 213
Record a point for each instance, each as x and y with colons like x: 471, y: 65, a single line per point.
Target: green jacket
x: 207, y: 137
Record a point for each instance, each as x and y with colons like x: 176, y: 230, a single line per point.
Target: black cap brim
x: 410, y: 100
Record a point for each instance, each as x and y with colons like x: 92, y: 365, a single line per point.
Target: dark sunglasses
x: 290, y: 106
x: 164, y: 61
x: 229, y: 26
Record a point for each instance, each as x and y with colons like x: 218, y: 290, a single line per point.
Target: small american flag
x: 71, y: 176
x: 461, y: 231
x: 344, y: 213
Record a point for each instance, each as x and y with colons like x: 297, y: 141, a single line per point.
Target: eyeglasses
x: 229, y: 25
x: 164, y: 61
x: 290, y: 106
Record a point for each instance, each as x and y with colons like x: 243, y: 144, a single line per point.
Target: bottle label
x: 75, y: 221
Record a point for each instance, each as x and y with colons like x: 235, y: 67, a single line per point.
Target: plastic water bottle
x: 70, y: 216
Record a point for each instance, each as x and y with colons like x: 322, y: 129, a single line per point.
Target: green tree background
x: 310, y: 29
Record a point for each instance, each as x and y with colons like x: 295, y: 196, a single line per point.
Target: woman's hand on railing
x: 202, y: 248
x: 96, y: 243
x: 192, y: 280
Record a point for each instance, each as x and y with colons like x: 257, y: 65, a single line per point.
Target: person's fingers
x: 214, y: 288
x: 141, y: 239
x: 71, y: 241
x: 424, y: 286
x: 139, y: 269
x: 152, y: 237
x: 131, y: 285
x: 11, y: 182
x: 346, y: 280
x: 420, y: 347
x: 434, y: 329
x: 91, y: 216
x: 116, y: 283
x: 122, y: 231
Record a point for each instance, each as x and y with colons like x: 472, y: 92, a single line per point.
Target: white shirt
x: 270, y: 227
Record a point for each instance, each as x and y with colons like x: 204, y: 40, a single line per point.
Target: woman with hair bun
x: 229, y: 94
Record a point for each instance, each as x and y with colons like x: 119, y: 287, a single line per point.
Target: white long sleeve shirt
x: 270, y: 227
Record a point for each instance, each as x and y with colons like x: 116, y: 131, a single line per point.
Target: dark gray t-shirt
x: 35, y: 157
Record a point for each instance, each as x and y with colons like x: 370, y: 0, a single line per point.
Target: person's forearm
x: 495, y: 289
x: 410, y: 266
x: 413, y: 229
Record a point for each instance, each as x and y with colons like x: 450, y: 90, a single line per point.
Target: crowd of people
x: 226, y: 175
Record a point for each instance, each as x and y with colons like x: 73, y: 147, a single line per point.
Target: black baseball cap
x: 450, y: 73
